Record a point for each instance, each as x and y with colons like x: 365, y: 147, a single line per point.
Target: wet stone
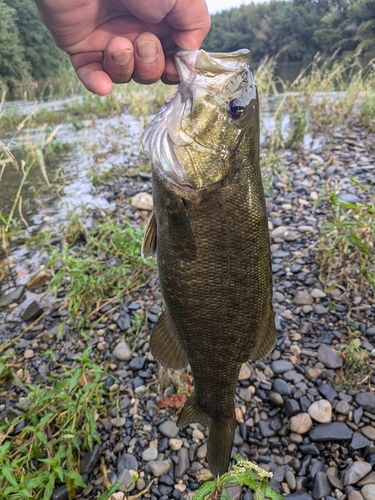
x: 137, y: 363
x: 60, y: 493
x: 90, y: 460
x: 328, y: 392
x: 309, y: 449
x: 183, y: 463
x: 11, y: 297
x: 299, y: 495
x: 292, y: 407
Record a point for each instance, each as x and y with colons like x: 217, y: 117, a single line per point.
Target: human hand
x: 117, y: 40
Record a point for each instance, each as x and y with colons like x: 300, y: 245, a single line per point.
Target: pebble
x: 183, y: 463
x: 175, y: 444
x: 122, y: 351
x: 334, y: 431
x: 368, y: 431
x: 301, y: 423
x: 359, y: 441
x: 281, y: 366
x: 321, y: 411
x: 280, y: 386
x: 13, y: 296
x: 369, y: 479
x: 169, y: 429
x: 355, y: 495
x: 159, y: 467
x: 366, y: 400
x: 149, y: 454
x: 321, y: 486
x: 303, y: 298
x: 142, y: 201
x: 356, y: 472
x: 329, y: 357
x: 368, y: 492
x: 29, y: 353
x: 32, y: 312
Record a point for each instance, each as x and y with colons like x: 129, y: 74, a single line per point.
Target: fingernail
x: 147, y: 51
x: 122, y: 56
x: 172, y: 78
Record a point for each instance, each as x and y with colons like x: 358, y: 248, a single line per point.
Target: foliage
x: 96, y: 264
x: 346, y: 251
x: 244, y: 473
x: 357, y: 369
x: 41, y: 447
x: 294, y: 30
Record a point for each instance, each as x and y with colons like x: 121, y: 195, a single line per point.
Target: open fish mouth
x: 178, y: 133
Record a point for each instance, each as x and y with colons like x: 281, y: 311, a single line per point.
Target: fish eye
x: 236, y: 108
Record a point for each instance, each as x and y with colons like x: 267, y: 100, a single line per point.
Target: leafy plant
x: 41, y: 447
x: 243, y: 473
x: 346, y: 249
x: 357, y: 368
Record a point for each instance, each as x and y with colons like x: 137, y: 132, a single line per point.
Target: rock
x: 368, y: 492
x: 183, y: 463
x: 11, y: 297
x: 316, y: 293
x: 309, y: 449
x: 343, y: 407
x: 28, y: 354
x: 281, y: 366
x: 369, y: 479
x: 126, y: 480
x: 334, y: 432
x: 350, y: 198
x: 90, y: 460
x: 328, y: 392
x: 159, y: 467
x: 366, y: 400
x: 321, y: 411
x: 276, y: 399
x: 149, y: 454
x: 335, y: 482
x: 202, y: 451
x: 245, y: 372
x: 299, y: 495
x: 127, y: 461
x: 118, y: 421
x: 142, y: 201
x: 329, y: 357
x: 39, y: 279
x: 234, y: 492
x: 245, y: 394
x: 280, y: 232
x: 122, y: 352
x: 301, y: 423
x: 355, y: 495
x: 32, y: 312
x: 303, y: 298
x: 290, y: 480
x: 269, y: 427
x: 319, y: 309
x: 292, y: 407
x: 359, y: 441
x: 279, y: 385
x: 368, y: 431
x: 60, y: 493
x: 175, y: 444
x: 137, y: 363
x: 169, y: 429
x: 356, y: 472
x: 321, y: 486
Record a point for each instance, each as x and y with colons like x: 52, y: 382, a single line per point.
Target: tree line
x: 295, y: 30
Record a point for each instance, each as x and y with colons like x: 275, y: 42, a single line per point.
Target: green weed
x: 367, y: 110
x: 40, y: 448
x: 346, y: 252
x: 244, y: 473
x: 96, y: 264
x: 357, y: 369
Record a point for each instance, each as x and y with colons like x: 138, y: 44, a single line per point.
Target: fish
x: 209, y: 232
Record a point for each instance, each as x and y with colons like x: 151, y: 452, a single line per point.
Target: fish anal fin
x: 220, y: 438
x: 166, y: 345
x: 149, y: 239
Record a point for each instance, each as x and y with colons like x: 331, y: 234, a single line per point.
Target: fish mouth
x: 168, y: 130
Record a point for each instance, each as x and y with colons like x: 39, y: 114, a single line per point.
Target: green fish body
x: 209, y: 230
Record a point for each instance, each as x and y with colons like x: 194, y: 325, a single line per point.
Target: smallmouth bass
x: 209, y: 230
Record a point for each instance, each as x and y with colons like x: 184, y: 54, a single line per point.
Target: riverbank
x: 306, y: 413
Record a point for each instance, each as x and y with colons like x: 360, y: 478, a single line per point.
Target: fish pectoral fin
x: 266, y: 344
x: 149, y: 240
x: 220, y: 438
x: 166, y: 345
x: 181, y: 236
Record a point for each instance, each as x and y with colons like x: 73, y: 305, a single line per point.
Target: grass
x: 41, y: 447
x: 95, y: 265
x: 357, y: 369
x: 243, y: 473
x: 346, y: 251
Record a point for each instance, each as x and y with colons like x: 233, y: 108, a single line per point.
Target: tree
x: 13, y: 66
x: 362, y: 13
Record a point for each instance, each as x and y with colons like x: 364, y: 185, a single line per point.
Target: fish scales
x: 213, y: 256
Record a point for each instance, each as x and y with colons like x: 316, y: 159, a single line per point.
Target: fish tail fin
x: 220, y: 439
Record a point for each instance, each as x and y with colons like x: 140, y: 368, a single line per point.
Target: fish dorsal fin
x: 181, y: 236
x: 166, y: 345
x: 149, y: 240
